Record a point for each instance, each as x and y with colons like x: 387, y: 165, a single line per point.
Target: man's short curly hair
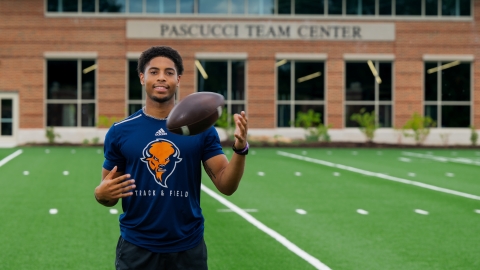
x: 163, y: 51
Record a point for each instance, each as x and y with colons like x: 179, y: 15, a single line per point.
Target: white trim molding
x: 133, y: 55
x: 449, y: 57
x: 301, y: 56
x: 221, y: 56
x: 76, y: 55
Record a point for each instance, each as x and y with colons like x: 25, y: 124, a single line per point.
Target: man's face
x: 160, y: 79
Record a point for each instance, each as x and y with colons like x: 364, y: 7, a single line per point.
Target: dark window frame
x: 79, y: 101
x: 376, y: 103
x: 438, y: 103
x: 292, y: 102
x: 230, y: 102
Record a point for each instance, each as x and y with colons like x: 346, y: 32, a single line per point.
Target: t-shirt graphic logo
x: 161, y: 157
x: 160, y: 132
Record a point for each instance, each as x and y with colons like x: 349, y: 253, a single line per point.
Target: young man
x: 157, y: 174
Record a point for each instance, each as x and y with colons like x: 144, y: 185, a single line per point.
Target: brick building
x: 70, y: 64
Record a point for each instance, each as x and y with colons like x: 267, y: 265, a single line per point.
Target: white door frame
x: 11, y: 141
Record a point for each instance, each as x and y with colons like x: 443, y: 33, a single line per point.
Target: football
x: 195, y: 113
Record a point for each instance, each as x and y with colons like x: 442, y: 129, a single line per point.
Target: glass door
x: 9, y: 118
x: 6, y: 116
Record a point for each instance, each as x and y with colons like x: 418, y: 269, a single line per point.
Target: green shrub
x: 107, y: 122
x: 227, y: 122
x: 418, y: 127
x: 367, y: 122
x: 312, y: 123
x: 51, y: 135
x: 473, y: 136
x: 95, y: 140
x: 323, y: 132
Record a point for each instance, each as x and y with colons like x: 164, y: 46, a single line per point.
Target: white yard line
x: 284, y: 241
x: 443, y: 159
x: 379, y: 175
x: 10, y: 157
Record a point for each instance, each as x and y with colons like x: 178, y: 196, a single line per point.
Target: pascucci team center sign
x: 260, y: 30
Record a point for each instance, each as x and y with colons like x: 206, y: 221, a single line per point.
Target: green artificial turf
x: 83, y: 234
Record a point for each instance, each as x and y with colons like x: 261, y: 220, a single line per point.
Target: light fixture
x: 442, y: 67
x: 200, y: 68
x: 90, y: 68
x: 309, y: 77
x: 374, y: 71
x: 281, y: 62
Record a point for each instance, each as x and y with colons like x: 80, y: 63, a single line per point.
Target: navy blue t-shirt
x: 164, y: 213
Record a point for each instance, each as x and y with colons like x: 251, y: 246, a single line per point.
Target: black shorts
x: 130, y: 256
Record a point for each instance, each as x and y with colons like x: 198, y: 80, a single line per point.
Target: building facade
x: 71, y: 64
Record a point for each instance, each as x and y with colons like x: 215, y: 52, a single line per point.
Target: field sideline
x: 296, y: 208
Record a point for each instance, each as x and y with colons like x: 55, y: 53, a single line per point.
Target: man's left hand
x: 241, y: 129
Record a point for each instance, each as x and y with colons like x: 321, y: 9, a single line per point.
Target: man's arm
x: 227, y: 175
x: 114, y: 185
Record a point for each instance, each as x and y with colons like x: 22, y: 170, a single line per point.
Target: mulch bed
x: 303, y: 144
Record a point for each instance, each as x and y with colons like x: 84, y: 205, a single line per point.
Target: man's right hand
x: 113, y: 187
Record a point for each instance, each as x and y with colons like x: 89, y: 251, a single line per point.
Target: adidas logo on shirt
x: 160, y: 132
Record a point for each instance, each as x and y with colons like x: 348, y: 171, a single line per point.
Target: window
x: 385, y: 7
x: 136, y: 95
x: 62, y: 5
x: 225, y: 77
x: 162, y: 7
x: 309, y: 7
x: 300, y: 87
x: 71, y: 93
x: 213, y: 6
x: 370, y: 8
x: 448, y: 93
x: 88, y: 5
x: 115, y: 6
x: 137, y: 6
x: 408, y: 7
x: 335, y: 7
x: 285, y: 6
x: 361, y: 7
x: 431, y: 7
x: 237, y: 6
x: 187, y: 6
x: 369, y: 85
x: 260, y: 7
x: 456, y: 7
x: 6, y: 116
